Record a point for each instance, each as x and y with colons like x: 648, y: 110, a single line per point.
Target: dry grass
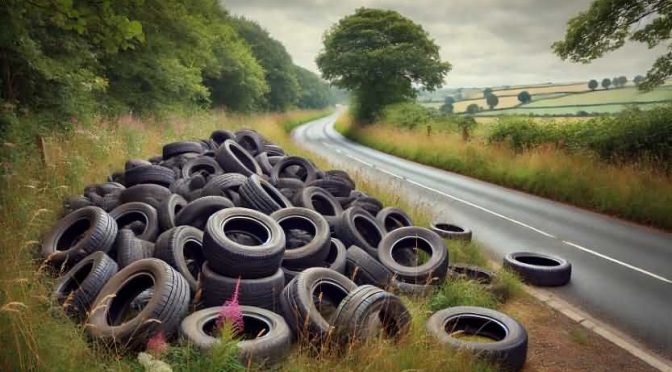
x: 628, y: 191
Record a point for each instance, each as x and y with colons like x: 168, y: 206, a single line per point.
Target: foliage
x: 407, y: 114
x: 593, y: 84
x: 606, y: 26
x: 314, y: 92
x: 492, y: 101
x: 473, y: 109
x: 524, y: 97
x: 461, y: 292
x: 381, y: 57
x: 487, y: 92
x: 606, y: 83
x: 447, y: 108
x: 638, y: 79
x: 271, y: 54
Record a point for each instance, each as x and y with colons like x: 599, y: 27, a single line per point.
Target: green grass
x: 289, y: 125
x: 629, y: 94
x: 570, y: 110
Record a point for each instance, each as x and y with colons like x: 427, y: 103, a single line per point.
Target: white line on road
x: 624, y: 264
x: 655, y: 276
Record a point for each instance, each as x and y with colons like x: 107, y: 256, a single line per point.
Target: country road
x: 622, y: 272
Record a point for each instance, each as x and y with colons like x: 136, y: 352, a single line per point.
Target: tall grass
x: 630, y: 191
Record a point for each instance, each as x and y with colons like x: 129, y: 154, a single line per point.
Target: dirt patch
x: 557, y: 343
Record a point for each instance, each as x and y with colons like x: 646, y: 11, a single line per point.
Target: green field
x: 569, y: 110
x: 630, y: 94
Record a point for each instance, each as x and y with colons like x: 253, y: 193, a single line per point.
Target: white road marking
x: 655, y: 276
x: 584, y: 249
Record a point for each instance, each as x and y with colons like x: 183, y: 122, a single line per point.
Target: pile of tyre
x: 161, y: 246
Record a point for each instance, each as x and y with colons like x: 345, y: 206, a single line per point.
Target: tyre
x: 334, y: 186
x: 74, y: 203
x: 369, y: 312
x: 266, y: 338
x: 223, y: 185
x: 128, y: 248
x: 235, y: 159
x: 139, y: 217
x: 290, y: 187
x: 79, y: 234
x: 219, y: 136
x: 509, y: 348
x: 250, y: 141
x: 357, y: 227
x: 134, y: 163
x: 197, y: 212
x: 309, y: 302
x: 413, y: 289
x: 240, y: 242
x: 264, y: 164
x: 274, y: 150
x: 369, y: 204
x: 539, y: 269
x: 391, y: 218
x: 178, y: 148
x: 362, y: 269
x: 471, y: 272
x: 259, y: 194
x: 340, y: 175
x: 145, y: 193
x: 261, y: 292
x: 307, y: 237
x: 112, y: 320
x: 336, y: 260
x: 451, y: 232
x: 319, y: 200
x: 154, y: 174
x: 403, y: 251
x: 203, y: 165
x: 168, y: 209
x: 306, y: 170
x: 76, y: 289
x: 182, y: 248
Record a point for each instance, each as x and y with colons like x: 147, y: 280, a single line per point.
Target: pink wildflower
x: 157, y: 345
x: 231, y: 312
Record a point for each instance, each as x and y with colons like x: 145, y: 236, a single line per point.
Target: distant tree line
x: 616, y: 82
x: 70, y: 59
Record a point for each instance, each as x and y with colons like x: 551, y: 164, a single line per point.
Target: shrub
x: 407, y: 114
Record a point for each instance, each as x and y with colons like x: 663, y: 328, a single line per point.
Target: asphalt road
x: 622, y: 272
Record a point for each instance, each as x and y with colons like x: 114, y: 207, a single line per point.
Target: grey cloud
x: 488, y: 42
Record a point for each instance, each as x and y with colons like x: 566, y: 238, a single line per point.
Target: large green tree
x: 314, y: 93
x: 381, y: 57
x: 608, y: 24
x: 272, y: 55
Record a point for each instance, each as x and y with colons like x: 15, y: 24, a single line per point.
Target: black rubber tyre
x: 336, y: 260
x: 306, y: 318
x: 307, y: 237
x: 341, y: 175
x: 264, y: 164
x: 274, y: 150
x: 319, y: 200
x: 201, y: 164
x: 261, y: 292
x: 289, y: 187
x: 451, y: 232
x: 154, y: 174
x: 155, y: 159
x: 129, y: 248
x: 224, y: 185
x: 79, y: 234
x: 182, y: 248
x: 539, y: 269
x: 134, y: 163
x: 178, y: 148
x: 235, y: 159
x: 164, y: 311
x: 361, y: 268
x: 250, y: 141
x: 355, y: 226
x: 413, y: 289
x: 334, y: 186
x: 307, y: 173
x: 139, y: 217
x: 197, y: 212
x: 243, y: 242
x: 368, y: 312
x: 76, y: 289
x: 471, y: 272
x: 368, y: 203
x: 391, y: 218
x: 259, y: 194
x: 509, y: 349
x: 167, y: 210
x: 219, y: 136
x: 199, y: 329
x: 394, y: 249
x: 109, y: 202
x: 145, y: 193
x: 74, y: 203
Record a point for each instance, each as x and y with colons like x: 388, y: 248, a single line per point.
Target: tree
x: 492, y: 101
x: 606, y: 82
x: 314, y: 93
x: 473, y: 108
x: 449, y: 99
x: 280, y: 74
x: 606, y: 26
x: 638, y: 79
x: 381, y: 57
x: 525, y: 97
x: 622, y: 80
x: 593, y: 84
x: 615, y: 82
x: 487, y: 92
x: 447, y: 108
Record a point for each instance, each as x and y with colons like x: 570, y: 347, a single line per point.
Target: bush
x: 407, y: 114
x: 459, y: 292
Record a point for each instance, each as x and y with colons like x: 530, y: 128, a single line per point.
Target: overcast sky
x: 488, y: 42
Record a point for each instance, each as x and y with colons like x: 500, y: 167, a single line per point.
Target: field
x: 569, y: 110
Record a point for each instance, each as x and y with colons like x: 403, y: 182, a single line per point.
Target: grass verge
x: 632, y: 191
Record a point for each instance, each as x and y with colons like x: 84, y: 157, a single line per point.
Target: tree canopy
x: 524, y: 97
x: 313, y: 91
x: 492, y: 100
x: 381, y: 57
x: 593, y: 84
x: 608, y: 24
